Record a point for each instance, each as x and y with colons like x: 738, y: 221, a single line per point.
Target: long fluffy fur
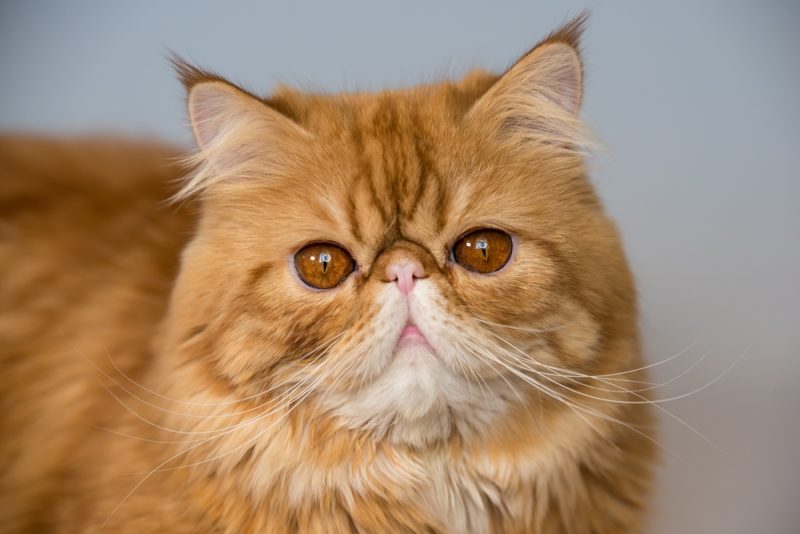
x: 164, y: 370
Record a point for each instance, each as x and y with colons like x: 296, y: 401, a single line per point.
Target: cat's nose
x: 405, y: 273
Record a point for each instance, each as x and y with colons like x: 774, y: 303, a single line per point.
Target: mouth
x: 412, y: 336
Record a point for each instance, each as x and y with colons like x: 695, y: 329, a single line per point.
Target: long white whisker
x: 296, y: 401
x: 643, y: 400
x: 207, y: 432
x: 201, y: 404
x: 187, y: 450
x: 608, y: 375
x: 531, y: 330
x: 554, y: 394
x: 461, y: 342
x: 204, y: 416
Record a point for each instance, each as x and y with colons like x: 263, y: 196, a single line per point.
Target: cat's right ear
x: 239, y: 136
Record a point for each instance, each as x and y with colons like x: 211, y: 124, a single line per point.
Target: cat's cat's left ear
x: 538, y: 98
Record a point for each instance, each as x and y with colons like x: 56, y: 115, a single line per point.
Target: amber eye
x: 483, y: 251
x: 323, y: 265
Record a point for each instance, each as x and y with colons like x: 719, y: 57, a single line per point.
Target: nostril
x: 405, y: 274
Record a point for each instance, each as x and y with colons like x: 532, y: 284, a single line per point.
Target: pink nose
x: 405, y: 273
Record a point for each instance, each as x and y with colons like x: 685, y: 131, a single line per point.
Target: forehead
x: 377, y: 167
x: 395, y: 183
x: 397, y: 165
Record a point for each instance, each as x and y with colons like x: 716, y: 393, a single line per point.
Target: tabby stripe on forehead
x: 442, y: 201
x: 373, y: 191
x: 352, y: 218
x: 428, y: 170
x: 396, y: 163
x: 384, y: 125
x: 392, y: 172
x: 422, y: 176
x: 352, y: 208
x: 386, y: 128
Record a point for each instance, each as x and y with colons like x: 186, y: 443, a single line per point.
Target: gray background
x: 696, y: 102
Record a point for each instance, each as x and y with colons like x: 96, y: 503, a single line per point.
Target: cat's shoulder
x: 95, y: 206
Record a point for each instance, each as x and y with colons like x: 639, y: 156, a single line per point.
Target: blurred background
x: 695, y: 101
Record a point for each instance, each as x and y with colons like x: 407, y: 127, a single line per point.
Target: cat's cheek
x: 578, y: 340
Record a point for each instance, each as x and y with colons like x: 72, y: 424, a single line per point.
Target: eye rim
x: 511, y: 254
x: 306, y: 283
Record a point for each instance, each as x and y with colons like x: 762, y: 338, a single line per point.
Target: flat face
x: 414, y: 258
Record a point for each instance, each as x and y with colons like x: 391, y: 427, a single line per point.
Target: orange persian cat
x: 402, y: 311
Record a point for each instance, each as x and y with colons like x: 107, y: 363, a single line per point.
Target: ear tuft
x: 190, y: 75
x: 570, y: 33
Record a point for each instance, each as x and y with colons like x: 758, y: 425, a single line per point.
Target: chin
x: 418, y: 401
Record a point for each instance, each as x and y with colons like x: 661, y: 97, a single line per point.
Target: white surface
x: 697, y: 102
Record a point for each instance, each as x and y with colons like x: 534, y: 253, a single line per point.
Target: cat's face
x: 402, y: 260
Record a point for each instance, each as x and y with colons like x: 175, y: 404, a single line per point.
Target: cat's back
x: 79, y: 218
x: 88, y: 250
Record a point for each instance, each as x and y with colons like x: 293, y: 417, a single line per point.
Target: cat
x: 402, y: 311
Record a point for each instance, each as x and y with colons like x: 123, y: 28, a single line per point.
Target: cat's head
x: 403, y: 260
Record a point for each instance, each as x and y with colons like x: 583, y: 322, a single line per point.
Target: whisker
x: 192, y: 433
x: 295, y: 402
x: 201, y: 404
x: 185, y: 414
x: 574, y: 406
x: 140, y: 438
x: 182, y: 452
x: 607, y: 375
x: 218, y: 431
x: 643, y: 400
x: 651, y: 387
x: 461, y: 342
x: 656, y: 403
x: 178, y: 431
x: 531, y: 330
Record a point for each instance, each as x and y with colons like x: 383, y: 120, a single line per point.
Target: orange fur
x: 164, y: 370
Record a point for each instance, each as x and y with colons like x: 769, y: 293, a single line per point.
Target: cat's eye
x: 323, y: 265
x: 483, y: 251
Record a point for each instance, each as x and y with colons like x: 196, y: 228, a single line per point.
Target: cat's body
x: 88, y: 252
x: 244, y: 401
